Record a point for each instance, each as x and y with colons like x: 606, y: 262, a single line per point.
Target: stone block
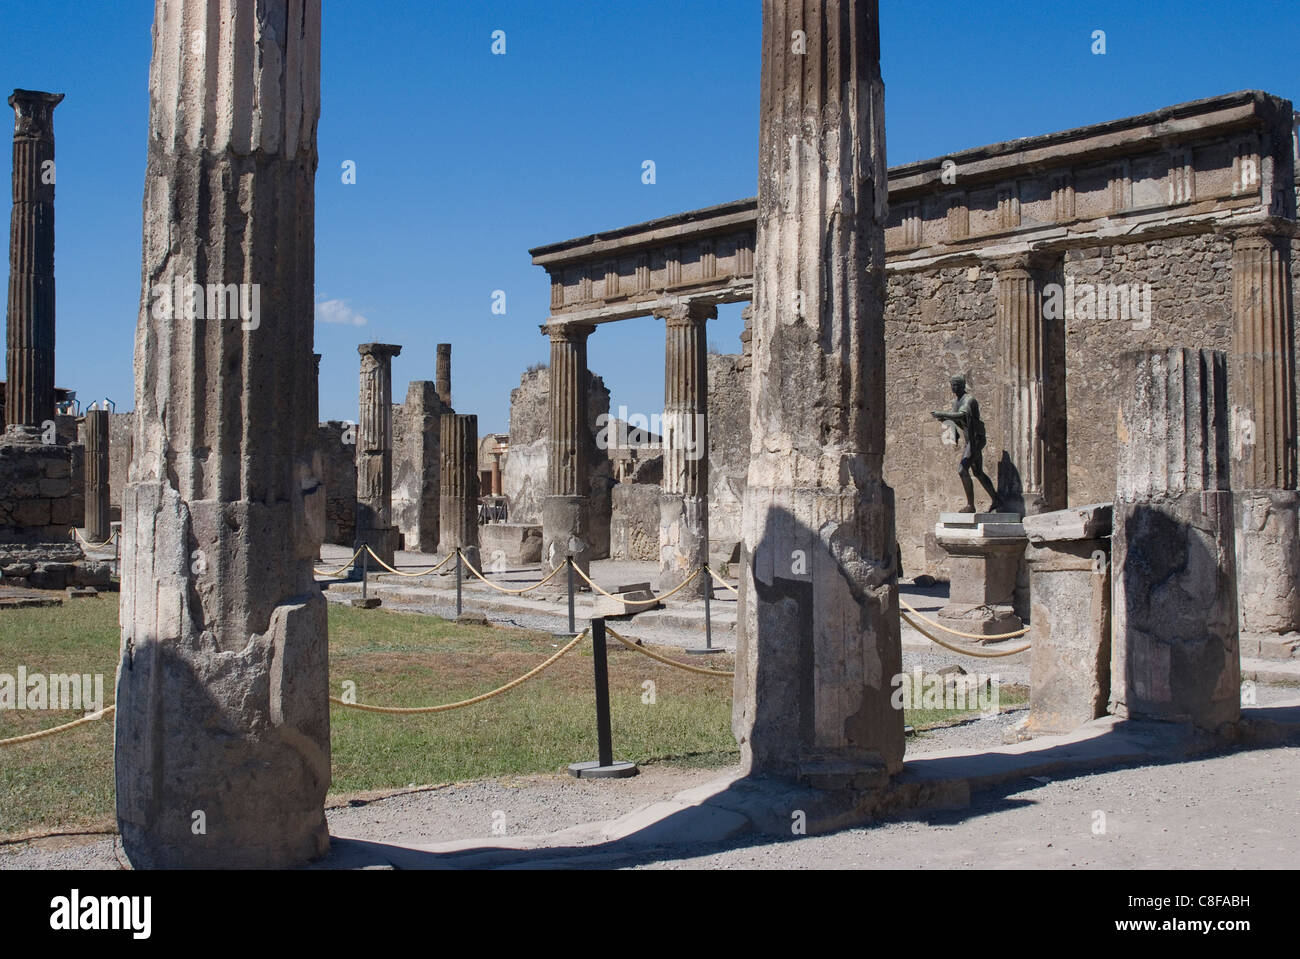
x: 516, y: 544
x: 1075, y: 523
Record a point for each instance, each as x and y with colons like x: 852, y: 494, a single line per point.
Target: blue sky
x: 465, y: 160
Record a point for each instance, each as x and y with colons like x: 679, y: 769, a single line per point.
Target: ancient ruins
x: 1120, y: 298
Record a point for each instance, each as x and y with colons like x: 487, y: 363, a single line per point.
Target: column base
x: 566, y: 530
x: 683, y: 543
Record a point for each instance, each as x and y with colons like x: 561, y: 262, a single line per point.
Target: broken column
x: 29, y: 360
x: 97, y: 511
x: 443, y: 374
x: 818, y: 634
x: 1070, y: 613
x: 1029, y: 406
x: 222, y: 730
x: 459, y: 510
x: 375, y: 451
x: 1262, y: 386
x: 1174, y: 639
x: 566, y: 519
x: 684, y: 505
x: 424, y: 412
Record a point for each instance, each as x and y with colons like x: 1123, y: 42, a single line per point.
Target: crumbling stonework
x: 336, y: 445
x: 222, y: 689
x: 416, y: 463
x: 1175, y: 652
x: 41, y: 496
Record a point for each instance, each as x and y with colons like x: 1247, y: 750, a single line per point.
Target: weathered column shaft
x: 1261, y: 382
x: 29, y: 360
x: 443, y: 374
x: 425, y: 410
x: 375, y: 450
x: 684, y: 506
x: 1175, y: 641
x: 459, y: 513
x: 818, y: 642
x: 222, y: 713
x: 1023, y: 346
x: 97, y: 511
x: 566, y: 510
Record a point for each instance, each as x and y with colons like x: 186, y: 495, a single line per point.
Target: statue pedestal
x: 985, y: 552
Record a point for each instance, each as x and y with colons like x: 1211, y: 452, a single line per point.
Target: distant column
x: 375, y: 451
x: 1026, y: 345
x: 1175, y: 649
x: 566, y: 519
x: 684, y: 505
x: 444, y: 374
x: 1261, y: 382
x: 29, y: 362
x: 97, y: 512
x: 459, y: 512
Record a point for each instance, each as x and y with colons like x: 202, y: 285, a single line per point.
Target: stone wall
x: 42, y: 493
x: 339, y: 471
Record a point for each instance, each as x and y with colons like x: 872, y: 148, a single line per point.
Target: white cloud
x: 338, y: 311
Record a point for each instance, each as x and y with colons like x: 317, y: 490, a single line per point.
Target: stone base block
x: 515, y: 544
x: 566, y: 530
x: 683, y: 542
x: 606, y: 608
x: 1175, y: 653
x: 382, y: 541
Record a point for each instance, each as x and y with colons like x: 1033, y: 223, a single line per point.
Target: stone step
x: 1271, y: 672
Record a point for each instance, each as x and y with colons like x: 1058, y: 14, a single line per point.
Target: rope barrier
x: 341, y: 568
x: 915, y: 612
x: 81, y: 539
x: 92, y: 718
x: 426, y: 572
x: 979, y: 654
x: 639, y: 602
x: 722, y: 582
x: 513, y: 592
x: 665, y: 660
x: 417, y: 710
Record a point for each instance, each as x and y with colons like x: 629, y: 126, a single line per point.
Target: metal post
x: 573, y: 629
x: 366, y: 601
x: 708, y: 619
x: 604, y: 767
x: 459, y: 576
x: 365, y: 572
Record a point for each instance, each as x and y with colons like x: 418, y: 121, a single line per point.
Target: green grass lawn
x: 394, y: 659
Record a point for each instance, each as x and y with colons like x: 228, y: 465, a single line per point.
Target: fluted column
x: 818, y: 631
x: 443, y: 374
x: 1174, y: 653
x: 459, y: 510
x: 1029, y: 405
x: 1262, y: 388
x: 97, y: 511
x: 684, y: 505
x: 222, y: 727
x: 29, y: 360
x: 566, y: 520
x: 375, y: 450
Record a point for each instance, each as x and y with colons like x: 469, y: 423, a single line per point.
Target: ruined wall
x: 729, y: 376
x: 339, y: 471
x: 42, y: 495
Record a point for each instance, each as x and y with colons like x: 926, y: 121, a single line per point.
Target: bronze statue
x: 965, y: 416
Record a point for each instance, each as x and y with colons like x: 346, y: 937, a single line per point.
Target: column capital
x: 686, y: 313
x: 568, y: 332
x: 1027, y: 262
x: 34, y: 113
x: 379, y: 350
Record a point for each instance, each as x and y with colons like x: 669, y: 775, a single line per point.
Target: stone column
x: 566, y: 519
x: 459, y: 513
x: 222, y: 693
x: 375, y: 451
x: 818, y: 633
x: 1261, y: 383
x: 496, y: 474
x: 1175, y: 653
x: 1026, y: 345
x: 444, y: 374
x: 684, y: 505
x: 425, y: 410
x: 29, y: 361
x: 97, y: 513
